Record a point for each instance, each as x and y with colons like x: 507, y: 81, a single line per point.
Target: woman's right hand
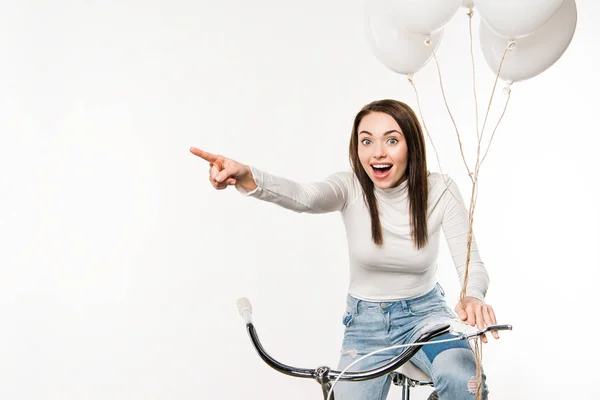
x: 224, y: 172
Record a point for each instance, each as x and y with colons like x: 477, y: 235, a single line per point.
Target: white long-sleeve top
x: 396, y: 270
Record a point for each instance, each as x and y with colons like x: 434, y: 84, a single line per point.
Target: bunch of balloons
x: 404, y: 34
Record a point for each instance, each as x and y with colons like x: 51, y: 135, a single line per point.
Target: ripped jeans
x: 372, y: 326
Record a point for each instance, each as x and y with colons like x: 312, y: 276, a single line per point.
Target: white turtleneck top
x: 396, y: 270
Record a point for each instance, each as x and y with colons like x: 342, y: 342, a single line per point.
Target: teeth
x: 382, y: 166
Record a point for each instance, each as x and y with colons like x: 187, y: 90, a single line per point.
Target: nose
x: 378, y: 150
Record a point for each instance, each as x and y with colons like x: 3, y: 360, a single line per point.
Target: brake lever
x: 465, y: 331
x: 500, y: 327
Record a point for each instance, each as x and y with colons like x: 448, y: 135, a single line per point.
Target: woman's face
x: 382, y: 149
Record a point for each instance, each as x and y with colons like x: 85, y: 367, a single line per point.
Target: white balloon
x: 400, y: 50
x: 468, y: 4
x: 532, y: 54
x: 425, y: 16
x: 516, y: 18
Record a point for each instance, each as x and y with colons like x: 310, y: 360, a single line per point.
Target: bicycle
x: 327, y: 377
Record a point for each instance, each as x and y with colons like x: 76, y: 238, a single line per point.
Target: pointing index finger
x: 203, y: 154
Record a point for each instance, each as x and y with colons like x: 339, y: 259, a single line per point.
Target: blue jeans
x: 372, y: 326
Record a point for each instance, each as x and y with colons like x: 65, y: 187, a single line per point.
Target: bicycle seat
x: 413, y: 372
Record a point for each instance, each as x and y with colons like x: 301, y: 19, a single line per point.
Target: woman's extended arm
x: 328, y: 195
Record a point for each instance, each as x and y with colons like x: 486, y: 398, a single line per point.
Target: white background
x: 120, y: 266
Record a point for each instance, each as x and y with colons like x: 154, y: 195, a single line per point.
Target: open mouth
x: 381, y: 170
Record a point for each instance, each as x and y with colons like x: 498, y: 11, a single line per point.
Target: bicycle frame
x: 325, y: 375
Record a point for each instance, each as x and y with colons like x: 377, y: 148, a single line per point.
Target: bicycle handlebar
x: 324, y: 374
x: 395, y: 363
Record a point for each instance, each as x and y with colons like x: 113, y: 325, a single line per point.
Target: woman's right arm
x: 328, y: 195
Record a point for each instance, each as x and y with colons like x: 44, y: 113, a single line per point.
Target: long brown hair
x: 416, y: 170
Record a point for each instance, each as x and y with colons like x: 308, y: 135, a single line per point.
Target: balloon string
x: 411, y: 81
x: 478, y: 361
x: 496, y: 127
x: 475, y: 195
x: 474, y: 176
x: 510, y: 45
x: 452, y: 117
x: 470, y: 15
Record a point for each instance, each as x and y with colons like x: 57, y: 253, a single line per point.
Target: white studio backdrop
x: 120, y: 266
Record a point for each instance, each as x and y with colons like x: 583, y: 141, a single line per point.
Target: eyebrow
x: 386, y: 133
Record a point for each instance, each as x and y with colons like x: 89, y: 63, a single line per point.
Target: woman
x: 394, y: 211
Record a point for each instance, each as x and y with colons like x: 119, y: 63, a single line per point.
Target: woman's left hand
x: 476, y: 312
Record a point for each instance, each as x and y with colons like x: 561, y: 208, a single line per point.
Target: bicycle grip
x: 245, y: 309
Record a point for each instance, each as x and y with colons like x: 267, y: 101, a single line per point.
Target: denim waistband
x: 354, y: 304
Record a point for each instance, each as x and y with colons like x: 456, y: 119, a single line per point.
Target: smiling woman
x: 394, y: 211
x: 387, y: 147
x: 383, y: 151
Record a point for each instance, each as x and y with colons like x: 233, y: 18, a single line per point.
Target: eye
x: 393, y: 141
x: 365, y: 142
